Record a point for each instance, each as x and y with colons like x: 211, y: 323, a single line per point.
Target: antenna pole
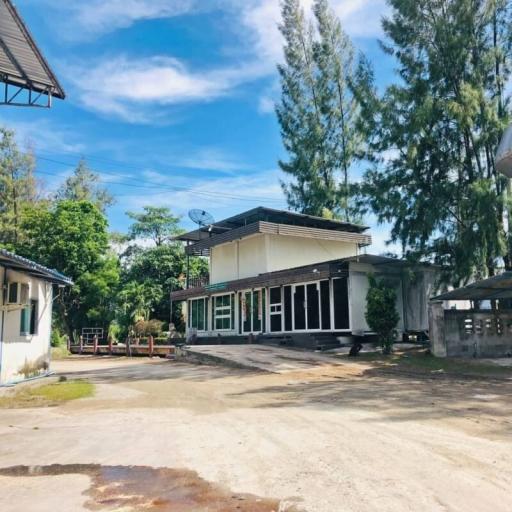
x: 188, y: 267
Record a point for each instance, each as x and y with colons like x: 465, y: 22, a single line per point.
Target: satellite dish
x: 504, y: 153
x: 201, y: 218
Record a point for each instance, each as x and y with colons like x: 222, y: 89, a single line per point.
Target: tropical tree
x: 154, y: 223
x: 149, y: 274
x: 17, y: 187
x: 83, y: 185
x: 435, y: 134
x: 72, y: 236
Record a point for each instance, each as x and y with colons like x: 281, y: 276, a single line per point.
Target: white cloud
x: 85, y: 20
x: 125, y: 86
x: 121, y: 86
x: 211, y: 159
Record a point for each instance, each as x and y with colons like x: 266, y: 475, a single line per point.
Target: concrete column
x: 437, y: 329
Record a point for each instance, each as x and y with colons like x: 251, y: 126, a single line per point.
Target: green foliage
x: 83, y: 185
x: 57, y: 339
x: 150, y: 273
x: 318, y: 112
x: 48, y: 394
x: 156, y: 224
x: 433, y: 135
x: 17, y: 187
x: 147, y: 327
x: 72, y: 236
x: 381, y: 314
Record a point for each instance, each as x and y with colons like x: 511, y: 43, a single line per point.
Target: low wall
x: 456, y: 333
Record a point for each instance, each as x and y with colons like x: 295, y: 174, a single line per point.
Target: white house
x: 25, y: 317
x: 282, y: 274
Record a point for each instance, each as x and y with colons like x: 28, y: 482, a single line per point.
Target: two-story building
x: 281, y: 273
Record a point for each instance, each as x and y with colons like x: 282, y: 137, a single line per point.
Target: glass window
x: 224, y: 312
x: 198, y: 315
x: 28, y: 319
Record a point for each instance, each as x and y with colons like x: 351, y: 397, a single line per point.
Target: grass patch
x: 48, y: 394
x: 60, y: 352
x: 418, y: 360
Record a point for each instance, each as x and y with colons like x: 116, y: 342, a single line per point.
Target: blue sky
x: 171, y: 101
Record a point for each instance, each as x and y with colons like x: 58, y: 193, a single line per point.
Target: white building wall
x: 358, y: 289
x: 291, y: 251
x: 239, y: 259
x: 29, y: 353
x: 268, y: 253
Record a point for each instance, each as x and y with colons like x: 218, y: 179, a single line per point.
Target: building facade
x: 275, y: 272
x: 25, y: 317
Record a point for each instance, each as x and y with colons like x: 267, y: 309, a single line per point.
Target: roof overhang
x: 313, y: 272
x: 19, y: 264
x: 264, y: 214
x: 202, y: 247
x: 26, y: 76
x: 494, y: 288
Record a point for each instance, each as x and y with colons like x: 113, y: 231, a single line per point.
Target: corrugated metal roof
x: 264, y: 214
x: 21, y: 62
x: 494, y: 288
x: 15, y: 262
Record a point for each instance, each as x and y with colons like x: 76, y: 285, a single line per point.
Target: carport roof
x: 493, y: 288
x: 21, y: 62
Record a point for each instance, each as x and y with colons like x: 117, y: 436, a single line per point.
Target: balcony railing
x: 198, y: 282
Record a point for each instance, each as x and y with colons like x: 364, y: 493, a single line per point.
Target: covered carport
x: 26, y: 78
x: 478, y: 331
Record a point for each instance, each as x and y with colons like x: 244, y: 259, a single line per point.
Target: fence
x: 459, y: 333
x: 132, y: 347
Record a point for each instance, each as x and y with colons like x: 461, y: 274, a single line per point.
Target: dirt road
x: 329, y: 439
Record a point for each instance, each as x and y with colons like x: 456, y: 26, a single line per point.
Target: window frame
x: 223, y: 312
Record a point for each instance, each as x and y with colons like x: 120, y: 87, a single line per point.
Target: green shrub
x: 381, y: 314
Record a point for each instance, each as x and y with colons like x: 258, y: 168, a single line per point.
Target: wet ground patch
x: 136, y: 488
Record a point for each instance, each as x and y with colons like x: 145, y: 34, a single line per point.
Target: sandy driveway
x: 330, y: 439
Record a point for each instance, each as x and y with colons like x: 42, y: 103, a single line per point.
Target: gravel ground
x: 325, y: 439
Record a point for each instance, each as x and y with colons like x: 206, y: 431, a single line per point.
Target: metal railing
x: 198, y: 282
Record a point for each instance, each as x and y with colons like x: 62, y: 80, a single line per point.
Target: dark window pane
x: 275, y: 295
x: 299, y: 298
x: 13, y: 293
x: 287, y: 295
x: 275, y: 323
x: 257, y: 311
x: 313, y: 307
x: 325, y: 301
x: 340, y: 296
x: 33, y: 316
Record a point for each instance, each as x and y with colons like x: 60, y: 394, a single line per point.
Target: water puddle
x: 143, y: 488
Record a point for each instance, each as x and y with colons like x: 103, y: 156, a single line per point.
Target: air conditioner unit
x: 18, y: 294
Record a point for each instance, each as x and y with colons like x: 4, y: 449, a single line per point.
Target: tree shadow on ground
x: 398, y: 398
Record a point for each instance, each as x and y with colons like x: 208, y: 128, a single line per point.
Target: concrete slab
x: 258, y: 357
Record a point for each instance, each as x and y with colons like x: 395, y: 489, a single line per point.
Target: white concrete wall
x: 29, y: 351
x: 358, y: 289
x: 290, y: 251
x: 268, y: 253
x: 239, y: 259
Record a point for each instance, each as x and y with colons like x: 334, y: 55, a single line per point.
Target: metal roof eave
x: 28, y: 61
x: 21, y: 264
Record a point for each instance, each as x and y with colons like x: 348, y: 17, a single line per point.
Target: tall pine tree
x: 337, y: 68
x: 17, y: 187
x: 437, y: 132
x: 318, y: 112
x: 311, y: 188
